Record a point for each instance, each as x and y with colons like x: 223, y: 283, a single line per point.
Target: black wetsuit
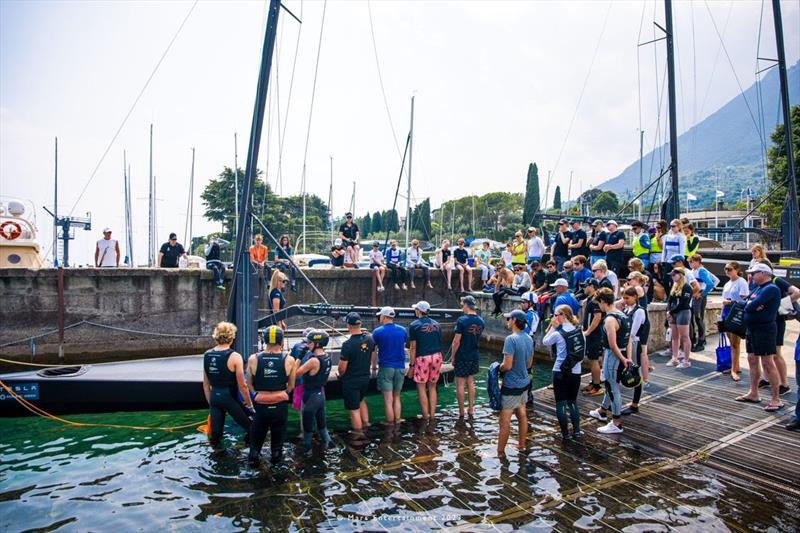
x: 270, y: 376
x: 314, y: 400
x: 224, y: 396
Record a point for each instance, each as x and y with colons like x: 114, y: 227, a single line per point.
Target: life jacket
x: 493, y: 386
x: 623, y: 332
x: 270, y: 374
x: 692, y: 244
x: 638, y: 249
x: 644, y: 329
x: 317, y: 381
x: 576, y: 347
x: 215, y: 364
x: 655, y: 246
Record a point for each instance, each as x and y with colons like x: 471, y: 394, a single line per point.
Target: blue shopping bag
x: 723, y: 354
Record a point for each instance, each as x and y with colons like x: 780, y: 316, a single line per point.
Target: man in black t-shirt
x: 578, y: 244
x: 615, y: 242
x: 355, y: 362
x: 560, y: 250
x: 170, y: 252
x: 349, y: 234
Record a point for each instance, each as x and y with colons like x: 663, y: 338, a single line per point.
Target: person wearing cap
x: 349, y: 234
x: 760, y: 318
x: 106, y: 251
x: 357, y: 358
x: 706, y: 282
x: 390, y: 342
x: 597, y: 241
x: 564, y: 297
x: 679, y: 315
x: 536, y: 246
x: 560, y: 249
x: 337, y: 254
x: 466, y: 341
x: 414, y: 260
x: 580, y: 273
x: 615, y: 242
x: 377, y: 264
x: 673, y: 243
x: 213, y: 263
x: 316, y: 367
x: 270, y: 378
x: 517, y: 361
x: 170, y: 252
x: 425, y: 356
x: 483, y: 262
x: 591, y: 325
x: 579, y: 241
x: 640, y: 242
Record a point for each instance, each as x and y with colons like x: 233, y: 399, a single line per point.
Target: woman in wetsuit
x: 315, y: 369
x: 223, y: 377
x: 277, y: 300
x: 636, y: 309
x: 570, y: 345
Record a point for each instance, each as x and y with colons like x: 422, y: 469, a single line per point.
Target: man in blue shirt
x: 528, y: 301
x: 580, y: 272
x: 760, y: 315
x: 390, y: 340
x: 425, y: 353
x: 564, y: 297
x: 394, y: 261
x: 707, y: 282
x: 468, y: 331
x: 517, y: 360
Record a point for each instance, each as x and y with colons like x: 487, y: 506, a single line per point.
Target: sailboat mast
x: 235, y: 186
x: 330, y: 202
x: 408, y: 194
x: 673, y: 207
x: 641, y: 170
x: 55, y: 209
x: 187, y: 232
x: 789, y: 218
x: 129, y: 228
x: 126, y: 199
x: 151, y: 259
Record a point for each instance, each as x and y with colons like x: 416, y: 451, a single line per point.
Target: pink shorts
x: 427, y: 368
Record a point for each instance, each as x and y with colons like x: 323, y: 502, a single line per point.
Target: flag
x: 690, y: 197
x: 720, y: 194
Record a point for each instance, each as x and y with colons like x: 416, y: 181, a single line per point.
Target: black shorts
x: 760, y: 340
x: 781, y: 323
x: 353, y: 392
x: 466, y: 367
x: 594, y: 350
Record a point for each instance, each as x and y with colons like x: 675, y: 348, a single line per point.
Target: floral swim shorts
x: 427, y: 368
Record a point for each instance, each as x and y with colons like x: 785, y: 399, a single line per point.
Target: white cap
x: 386, y: 311
x: 422, y: 306
x: 612, y: 222
x: 759, y: 267
x: 560, y: 282
x: 106, y: 230
x: 337, y: 242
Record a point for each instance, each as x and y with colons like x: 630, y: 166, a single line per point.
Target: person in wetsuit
x: 315, y: 369
x: 636, y: 310
x: 565, y: 334
x: 270, y: 377
x: 223, y: 377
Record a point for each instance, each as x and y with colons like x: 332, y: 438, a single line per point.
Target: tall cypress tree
x: 377, y: 222
x: 366, y: 225
x: 531, y: 207
x: 422, y: 218
x: 557, y: 198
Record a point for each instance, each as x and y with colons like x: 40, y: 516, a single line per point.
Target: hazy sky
x: 497, y: 85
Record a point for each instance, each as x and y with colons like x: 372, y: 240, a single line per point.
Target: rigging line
x: 278, y: 117
x: 583, y: 90
x: 133, y: 106
x: 380, y: 79
x: 657, y: 133
x: 313, y: 94
x: 694, y: 86
x: 638, y: 65
x: 658, y: 149
x: 282, y: 133
x: 716, y: 60
x: 759, y: 93
x: 736, y: 76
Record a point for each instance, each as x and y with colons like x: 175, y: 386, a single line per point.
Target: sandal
x: 745, y: 399
x: 773, y: 408
x: 736, y: 377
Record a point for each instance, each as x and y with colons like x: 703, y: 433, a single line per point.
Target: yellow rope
x: 23, y: 363
x: 44, y: 414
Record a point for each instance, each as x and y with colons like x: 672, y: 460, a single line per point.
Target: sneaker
x: 673, y: 362
x: 684, y: 364
x: 630, y: 410
x: 783, y: 390
x: 396, y: 287
x: 610, y: 428
x: 577, y: 434
x: 595, y: 413
x: 597, y: 391
x: 587, y: 388
x: 794, y: 425
x: 404, y: 287
x: 763, y: 384
x: 221, y: 287
x: 645, y: 384
x: 697, y: 347
x: 413, y: 286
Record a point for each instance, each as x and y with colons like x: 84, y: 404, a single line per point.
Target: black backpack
x: 576, y: 347
x: 624, y: 331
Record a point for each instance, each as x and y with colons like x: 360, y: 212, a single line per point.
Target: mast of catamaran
x: 408, y: 192
x: 672, y: 204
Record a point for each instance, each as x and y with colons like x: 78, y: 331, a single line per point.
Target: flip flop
x: 744, y: 399
x: 773, y: 408
x: 736, y: 377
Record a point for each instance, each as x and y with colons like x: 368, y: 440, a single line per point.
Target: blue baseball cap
x: 516, y: 314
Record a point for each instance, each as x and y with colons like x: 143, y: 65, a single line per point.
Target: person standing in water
x: 270, y: 378
x: 425, y: 355
x: 358, y: 354
x: 517, y: 360
x: 223, y: 377
x: 468, y: 331
x: 567, y: 337
x: 315, y: 369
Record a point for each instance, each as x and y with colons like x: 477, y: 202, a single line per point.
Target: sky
x: 497, y: 85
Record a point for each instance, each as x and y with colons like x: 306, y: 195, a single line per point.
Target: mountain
x: 723, y: 149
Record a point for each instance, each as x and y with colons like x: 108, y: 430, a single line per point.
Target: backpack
x: 576, y: 347
x: 624, y: 331
x: 493, y: 386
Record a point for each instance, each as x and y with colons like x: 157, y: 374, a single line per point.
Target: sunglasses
x: 595, y: 270
x: 728, y: 269
x: 348, y: 218
x: 559, y: 314
x: 673, y: 225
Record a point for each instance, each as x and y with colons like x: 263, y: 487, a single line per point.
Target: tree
x: 557, y: 199
x: 391, y: 221
x: 421, y: 219
x: 589, y: 196
x: 532, y: 204
x: 365, y: 226
x: 778, y: 168
x: 377, y: 222
x: 219, y: 197
x: 606, y: 202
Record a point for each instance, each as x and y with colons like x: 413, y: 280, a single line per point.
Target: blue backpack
x: 493, y: 386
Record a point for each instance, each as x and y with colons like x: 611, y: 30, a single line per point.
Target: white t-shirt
x: 414, y: 255
x: 535, y: 247
x: 612, y: 277
x: 376, y: 257
x: 736, y: 291
x: 108, y: 252
x: 554, y: 337
x: 507, y: 257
